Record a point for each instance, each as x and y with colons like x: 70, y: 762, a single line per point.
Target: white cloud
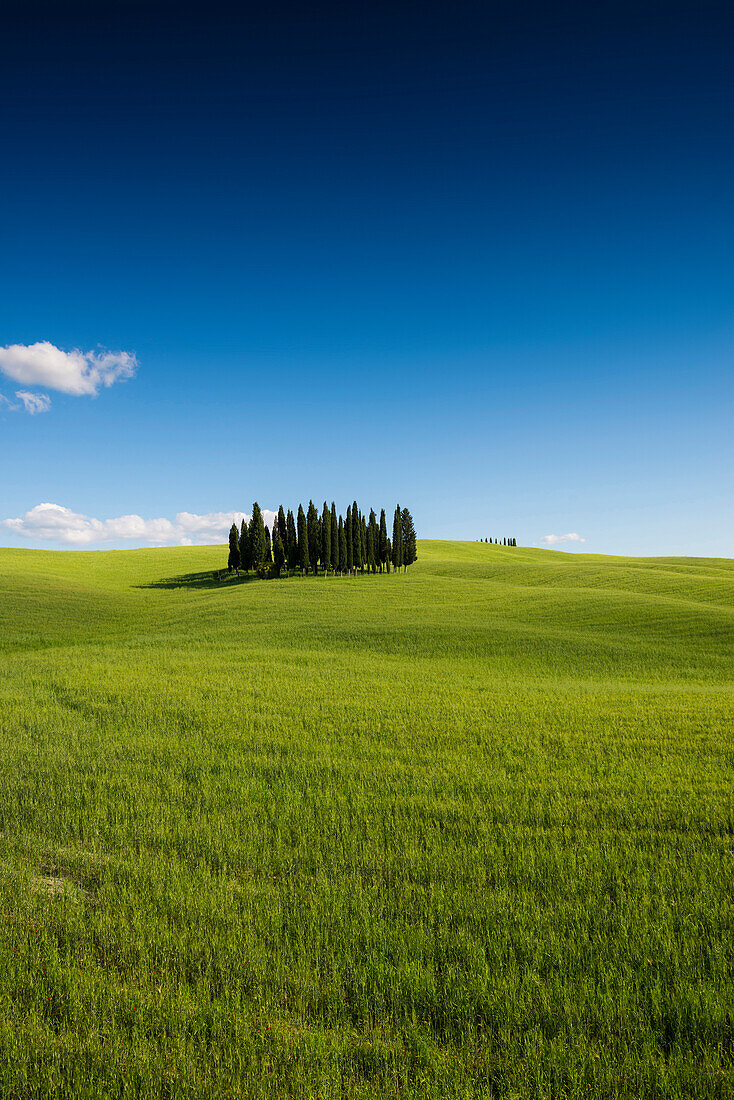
x: 79, y: 373
x: 553, y: 540
x: 34, y: 402
x: 55, y: 523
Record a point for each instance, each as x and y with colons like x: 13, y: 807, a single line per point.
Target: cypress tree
x: 282, y: 528
x: 326, y: 538
x: 356, y: 537
x: 257, y: 537
x: 382, y: 545
x: 397, y: 540
x: 314, y: 535
x: 370, y: 551
x: 291, y: 541
x: 268, y: 559
x: 363, y: 540
x: 233, y: 561
x: 244, y: 547
x: 348, y: 536
x: 303, y: 559
x: 373, y: 537
x: 388, y: 559
x: 334, y: 539
x: 342, y: 547
x: 407, y: 526
x: 278, y: 550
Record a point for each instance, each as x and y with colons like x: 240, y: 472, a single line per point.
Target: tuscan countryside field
x: 464, y: 831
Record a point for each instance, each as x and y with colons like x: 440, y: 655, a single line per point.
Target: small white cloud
x: 34, y: 402
x: 79, y: 373
x: 553, y: 540
x: 55, y: 523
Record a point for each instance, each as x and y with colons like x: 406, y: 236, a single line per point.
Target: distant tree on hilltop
x: 257, y: 537
x: 314, y: 535
x: 291, y: 541
x: 282, y: 526
x: 356, y: 537
x: 233, y: 562
x: 373, y: 542
x: 245, y: 562
x: 397, y: 539
x: 278, y: 551
x: 334, y: 538
x: 326, y: 538
x: 342, y: 546
x: 407, y: 530
x: 382, y: 541
x: 348, y: 535
x: 303, y: 558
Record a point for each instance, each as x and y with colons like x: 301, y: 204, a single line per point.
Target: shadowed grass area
x: 207, y: 578
x: 466, y: 831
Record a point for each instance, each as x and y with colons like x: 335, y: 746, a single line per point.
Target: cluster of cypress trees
x: 324, y: 543
x: 501, y: 542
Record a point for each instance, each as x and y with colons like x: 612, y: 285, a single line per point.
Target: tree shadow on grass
x: 208, y: 579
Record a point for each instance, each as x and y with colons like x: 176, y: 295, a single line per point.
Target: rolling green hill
x: 466, y: 831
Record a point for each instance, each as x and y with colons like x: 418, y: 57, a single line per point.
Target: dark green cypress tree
x: 342, y: 547
x: 233, y: 561
x: 410, y: 553
x: 397, y: 540
x: 363, y: 541
x: 278, y: 550
x: 303, y: 558
x: 369, y: 558
x: 350, y: 544
x: 334, y: 539
x: 244, y: 547
x: 268, y: 559
x: 373, y: 536
x: 382, y: 544
x: 257, y: 537
x: 291, y: 541
x: 326, y: 538
x: 314, y: 535
x: 388, y: 559
x: 282, y: 526
x: 356, y: 537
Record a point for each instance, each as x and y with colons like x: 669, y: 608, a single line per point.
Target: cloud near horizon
x: 553, y: 540
x: 55, y: 523
x: 78, y: 373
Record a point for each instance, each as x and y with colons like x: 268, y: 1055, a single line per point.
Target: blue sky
x: 472, y: 258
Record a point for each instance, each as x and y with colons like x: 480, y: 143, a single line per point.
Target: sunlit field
x: 464, y: 831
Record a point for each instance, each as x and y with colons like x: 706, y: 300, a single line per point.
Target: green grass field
x: 462, y: 832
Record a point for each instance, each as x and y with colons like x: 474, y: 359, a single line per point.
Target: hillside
x: 463, y: 831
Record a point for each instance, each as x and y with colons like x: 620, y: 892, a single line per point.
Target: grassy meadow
x: 462, y: 832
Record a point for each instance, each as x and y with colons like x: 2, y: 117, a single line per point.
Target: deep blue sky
x: 476, y: 258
